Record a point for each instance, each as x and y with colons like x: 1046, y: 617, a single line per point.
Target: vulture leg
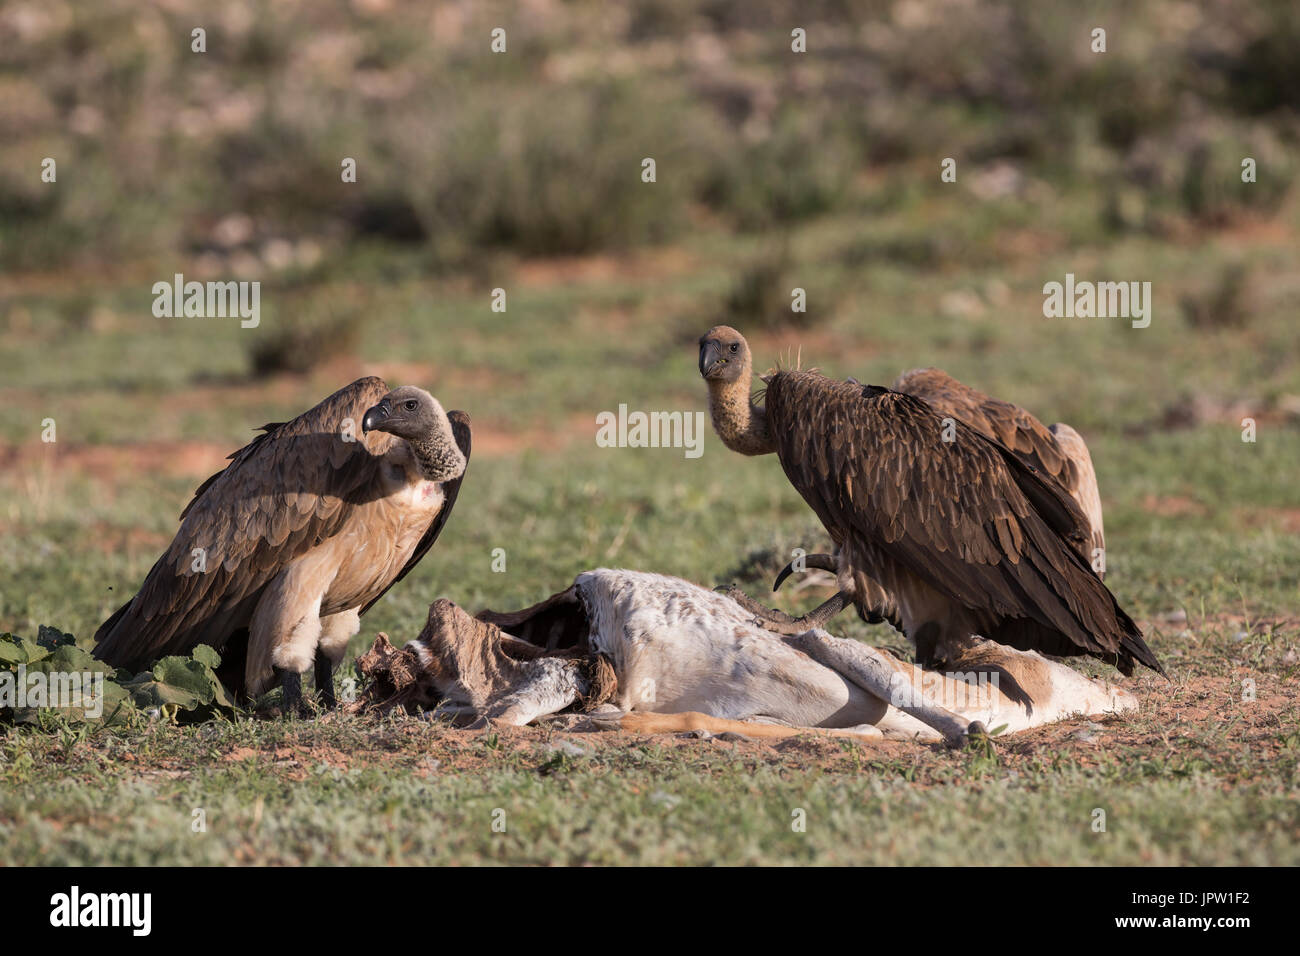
x: 325, y: 681
x: 825, y: 562
x: 335, y: 632
x: 291, y: 688
x: 778, y: 621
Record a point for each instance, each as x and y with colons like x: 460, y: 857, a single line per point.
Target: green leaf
x: 186, y: 683
x: 15, y: 650
x: 51, y: 637
x: 182, y: 681
x: 70, y: 657
x: 113, y: 709
x: 206, y: 655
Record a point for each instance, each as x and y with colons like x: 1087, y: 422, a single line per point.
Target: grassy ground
x: 1202, y: 529
x: 901, y: 270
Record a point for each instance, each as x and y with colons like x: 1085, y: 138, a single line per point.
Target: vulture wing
x: 1010, y: 425
x: 451, y: 489
x: 969, y: 517
x: 1084, y: 489
x: 282, y: 494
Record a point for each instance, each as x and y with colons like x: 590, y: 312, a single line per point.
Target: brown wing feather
x: 1036, y: 445
x: 1007, y: 423
x: 283, y: 493
x: 234, y: 456
x: 460, y: 430
x: 969, y: 517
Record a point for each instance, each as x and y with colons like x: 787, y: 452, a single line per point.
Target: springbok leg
x: 871, y: 671
x: 644, y: 722
x: 552, y: 685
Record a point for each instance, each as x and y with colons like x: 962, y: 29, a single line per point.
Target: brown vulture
x: 279, y: 554
x: 940, y: 526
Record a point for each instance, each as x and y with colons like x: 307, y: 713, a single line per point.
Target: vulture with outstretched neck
x: 941, y: 524
x: 279, y: 554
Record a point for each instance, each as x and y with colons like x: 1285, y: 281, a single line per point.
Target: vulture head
x: 415, y: 415
x: 726, y: 367
x: 724, y: 355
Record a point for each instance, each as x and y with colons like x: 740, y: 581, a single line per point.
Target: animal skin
x: 686, y: 658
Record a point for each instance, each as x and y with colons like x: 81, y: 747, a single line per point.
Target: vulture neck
x: 740, y: 423
x: 438, y: 457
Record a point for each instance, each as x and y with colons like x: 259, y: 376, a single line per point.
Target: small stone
x: 961, y: 304
x: 665, y: 799
x: 566, y: 747
x: 278, y: 254
x: 233, y: 230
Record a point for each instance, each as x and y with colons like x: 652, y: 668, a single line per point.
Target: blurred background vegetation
x: 232, y: 157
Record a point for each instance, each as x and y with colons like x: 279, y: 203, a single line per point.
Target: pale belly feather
x: 379, y: 541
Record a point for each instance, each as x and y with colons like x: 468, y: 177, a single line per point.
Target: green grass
x: 901, y: 271
x: 396, y: 792
x: 558, y: 505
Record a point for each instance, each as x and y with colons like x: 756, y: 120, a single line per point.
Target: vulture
x: 954, y: 517
x: 311, y: 523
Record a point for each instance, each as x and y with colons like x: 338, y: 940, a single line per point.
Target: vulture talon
x: 291, y: 693
x: 822, y: 562
x: 780, y: 578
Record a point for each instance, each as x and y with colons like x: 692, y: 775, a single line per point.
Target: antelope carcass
x: 651, y: 653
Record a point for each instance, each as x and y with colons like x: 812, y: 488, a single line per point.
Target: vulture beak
x: 376, y: 416
x: 710, y: 358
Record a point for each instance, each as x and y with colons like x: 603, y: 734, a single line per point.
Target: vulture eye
x: 410, y: 406
x: 735, y: 346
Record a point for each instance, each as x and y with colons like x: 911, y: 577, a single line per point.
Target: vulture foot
x: 291, y: 690
x: 821, y: 562
x: 325, y: 682
x: 778, y: 621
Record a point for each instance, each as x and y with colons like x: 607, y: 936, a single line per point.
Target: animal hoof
x: 731, y: 737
